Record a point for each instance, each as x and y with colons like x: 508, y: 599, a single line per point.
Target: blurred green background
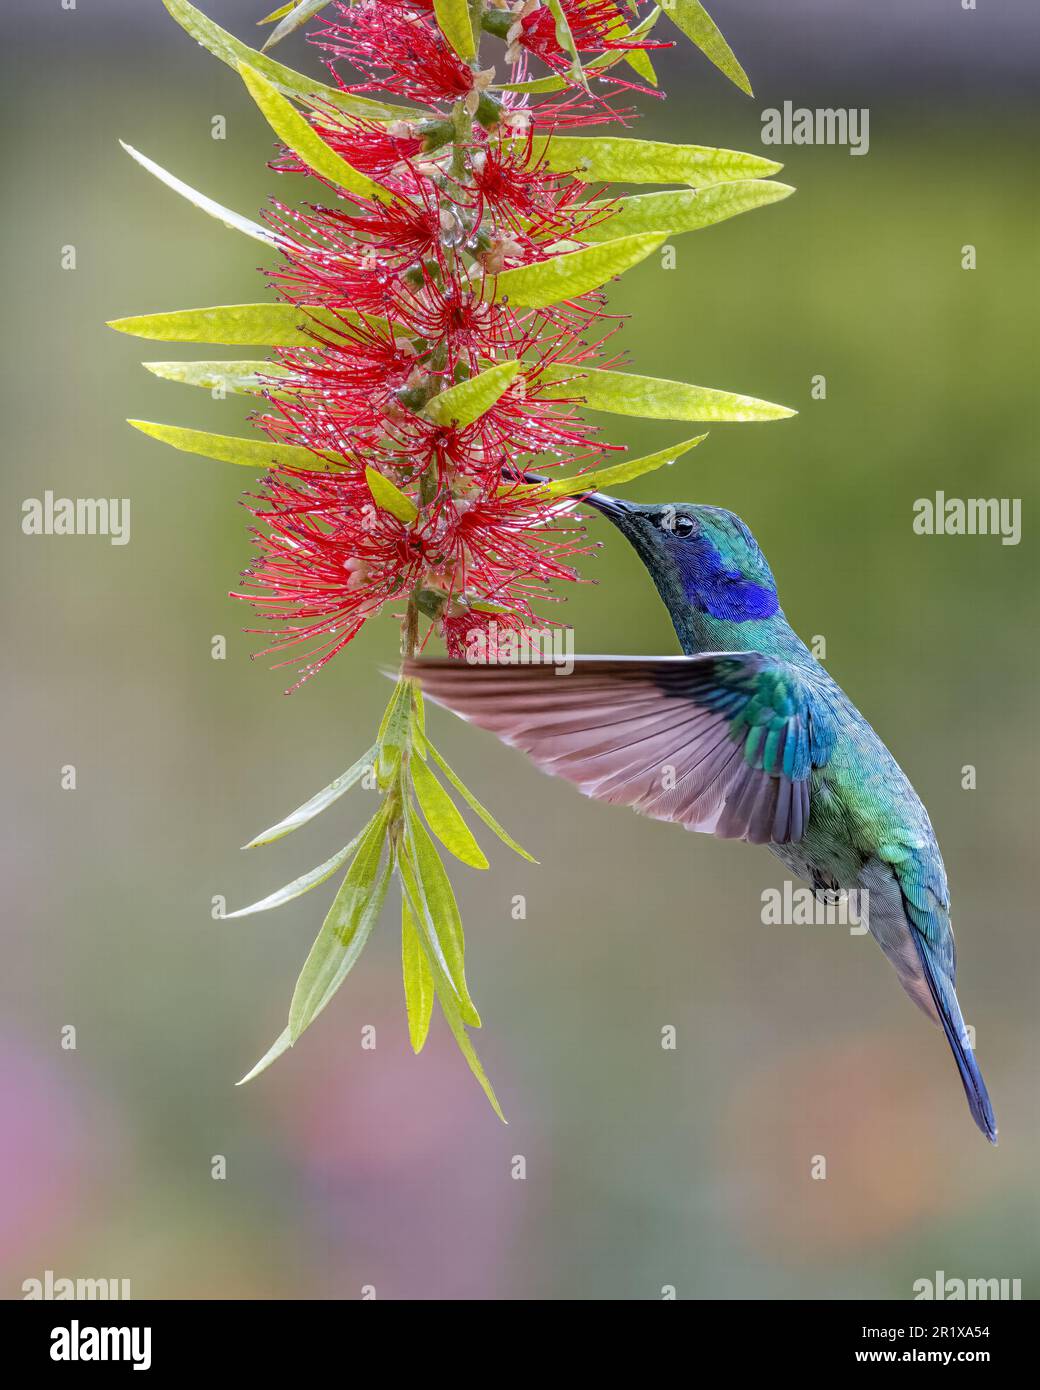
x: 645, y: 1167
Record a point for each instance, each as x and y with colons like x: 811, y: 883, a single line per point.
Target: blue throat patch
x: 721, y: 592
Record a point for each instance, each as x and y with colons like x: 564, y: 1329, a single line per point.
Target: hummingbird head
x: 702, y: 556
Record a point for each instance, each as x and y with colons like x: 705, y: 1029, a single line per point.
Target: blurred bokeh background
x: 645, y: 1167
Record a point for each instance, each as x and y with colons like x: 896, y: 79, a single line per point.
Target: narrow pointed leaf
x: 390, y: 497
x: 294, y: 84
x: 616, y: 159
x: 466, y: 402
x: 313, y: 879
x: 454, y: 23
x: 619, y: 473
x: 697, y: 24
x: 277, y: 14
x: 347, y: 927
x: 298, y: 134
x: 318, y: 802
x: 656, y: 398
x: 444, y: 817
x: 482, y: 811
x: 418, y: 979
x: 565, y: 39
x: 574, y: 272
x: 281, y: 1044
x: 249, y: 453
x: 240, y: 378
x: 230, y: 219
x: 412, y: 889
x: 292, y: 16
x: 253, y: 325
x: 686, y: 210
x: 439, y: 898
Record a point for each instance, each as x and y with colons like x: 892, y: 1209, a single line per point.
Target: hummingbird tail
x: 949, y: 1011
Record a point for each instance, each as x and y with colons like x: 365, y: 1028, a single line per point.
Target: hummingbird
x: 745, y: 736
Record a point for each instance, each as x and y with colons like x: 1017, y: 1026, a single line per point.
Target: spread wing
x: 723, y: 742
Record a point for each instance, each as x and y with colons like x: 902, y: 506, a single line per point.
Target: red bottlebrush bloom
x: 399, y: 301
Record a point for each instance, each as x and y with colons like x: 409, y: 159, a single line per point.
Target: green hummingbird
x: 746, y: 736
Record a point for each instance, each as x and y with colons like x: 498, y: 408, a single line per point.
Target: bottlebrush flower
x: 440, y: 323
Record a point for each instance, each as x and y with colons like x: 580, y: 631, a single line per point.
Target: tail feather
x: 949, y: 1011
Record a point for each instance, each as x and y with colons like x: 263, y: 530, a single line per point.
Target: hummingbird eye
x: 683, y: 526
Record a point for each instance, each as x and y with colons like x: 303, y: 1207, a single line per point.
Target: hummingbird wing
x: 722, y: 743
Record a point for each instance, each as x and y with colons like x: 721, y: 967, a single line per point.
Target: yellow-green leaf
x: 444, y: 918
x: 418, y: 980
x: 298, y: 134
x: 573, y: 272
x: 466, y: 402
x: 253, y: 325
x: 232, y: 220
x: 312, y: 879
x: 250, y: 453
x: 686, y: 210
x: 317, y: 803
x: 291, y: 16
x: 454, y: 23
x: 346, y: 928
x: 615, y: 159
x: 656, y: 398
x: 240, y: 378
x: 294, y: 84
x: 482, y: 811
x: 565, y: 39
x: 412, y: 888
x: 444, y: 818
x: 390, y: 497
x: 619, y: 473
x: 697, y: 24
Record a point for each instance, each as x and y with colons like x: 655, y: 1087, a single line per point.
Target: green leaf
x: 444, y: 918
x: 253, y: 325
x: 482, y: 811
x: 697, y: 24
x: 454, y: 23
x: 300, y: 885
x: 418, y: 979
x: 250, y: 453
x: 318, y: 802
x: 292, y: 16
x: 655, y: 398
x: 276, y: 14
x: 347, y: 927
x: 685, y: 210
x: 615, y: 159
x: 230, y: 219
x: 449, y: 1004
x: 444, y: 817
x: 293, y: 84
x: 573, y: 273
x: 565, y: 39
x: 596, y: 65
x: 390, y: 497
x: 298, y: 134
x: 619, y: 473
x: 466, y: 402
x: 240, y: 378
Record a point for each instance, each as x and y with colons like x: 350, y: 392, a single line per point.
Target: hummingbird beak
x: 613, y: 508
